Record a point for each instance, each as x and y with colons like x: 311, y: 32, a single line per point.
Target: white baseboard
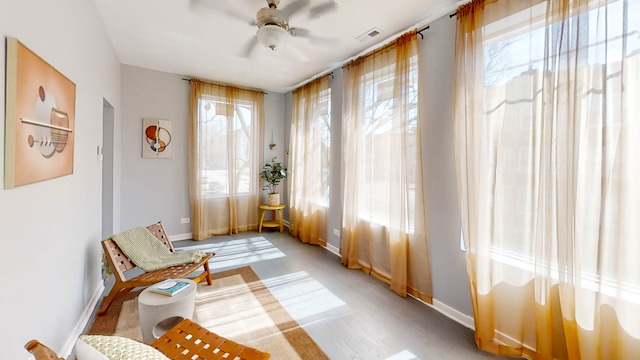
x: 454, y: 314
x: 178, y: 237
x: 333, y: 249
x: 446, y: 310
x: 83, y: 320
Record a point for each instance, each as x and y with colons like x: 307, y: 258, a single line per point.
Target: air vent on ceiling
x: 369, y: 34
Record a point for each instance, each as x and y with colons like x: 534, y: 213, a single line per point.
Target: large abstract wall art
x: 40, y: 119
x: 156, y: 138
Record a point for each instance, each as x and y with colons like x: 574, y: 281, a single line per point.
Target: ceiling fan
x: 273, y: 23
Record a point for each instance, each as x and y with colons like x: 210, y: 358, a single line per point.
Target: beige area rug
x: 237, y: 306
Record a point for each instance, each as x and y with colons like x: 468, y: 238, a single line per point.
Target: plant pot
x: 273, y: 199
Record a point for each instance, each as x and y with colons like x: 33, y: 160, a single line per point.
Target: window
x: 227, y: 134
x: 384, y: 129
x: 310, y: 161
x: 313, y: 132
x: 590, y: 46
x: 383, y: 220
x: 324, y: 122
x: 547, y: 139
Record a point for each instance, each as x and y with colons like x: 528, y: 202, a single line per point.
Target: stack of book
x: 169, y: 287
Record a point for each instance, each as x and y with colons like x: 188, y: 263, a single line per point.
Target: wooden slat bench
x: 185, y: 341
x: 188, y: 340
x: 120, y: 264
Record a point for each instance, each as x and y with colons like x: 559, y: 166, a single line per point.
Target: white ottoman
x: 159, y: 313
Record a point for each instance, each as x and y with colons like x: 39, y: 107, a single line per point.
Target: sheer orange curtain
x: 547, y: 142
x: 309, y: 162
x: 383, y: 227
x: 225, y: 150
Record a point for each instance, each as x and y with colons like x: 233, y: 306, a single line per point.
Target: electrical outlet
x: 336, y: 232
x: 185, y: 220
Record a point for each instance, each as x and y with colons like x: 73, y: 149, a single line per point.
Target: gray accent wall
x: 436, y: 66
x: 108, y: 136
x: 275, y: 123
x: 334, y: 219
x: 158, y: 189
x: 154, y: 189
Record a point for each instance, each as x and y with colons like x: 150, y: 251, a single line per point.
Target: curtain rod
x: 421, y: 30
x: 384, y: 47
x: 211, y: 83
x: 452, y: 15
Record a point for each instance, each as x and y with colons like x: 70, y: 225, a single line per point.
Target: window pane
x: 590, y: 47
x: 226, y: 128
x: 324, y: 123
x: 385, y: 129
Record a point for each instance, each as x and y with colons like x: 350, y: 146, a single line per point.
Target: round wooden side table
x: 274, y: 222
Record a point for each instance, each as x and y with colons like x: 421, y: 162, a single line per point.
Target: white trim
x: 453, y: 314
x: 178, y: 237
x: 467, y: 321
x: 587, y: 280
x: 506, y: 340
x: 82, y: 321
x: 333, y: 249
x: 446, y: 310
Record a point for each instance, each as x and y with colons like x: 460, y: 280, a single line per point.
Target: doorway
x: 108, y: 135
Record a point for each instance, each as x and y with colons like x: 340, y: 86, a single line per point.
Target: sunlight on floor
x: 239, y: 252
x: 304, y: 298
x: 404, y: 355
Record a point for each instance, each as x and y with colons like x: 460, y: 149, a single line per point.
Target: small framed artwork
x: 156, y: 138
x: 40, y: 119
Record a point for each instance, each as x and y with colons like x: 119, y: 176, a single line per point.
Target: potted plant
x: 272, y: 174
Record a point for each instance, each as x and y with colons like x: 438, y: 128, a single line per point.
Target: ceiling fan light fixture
x: 272, y: 36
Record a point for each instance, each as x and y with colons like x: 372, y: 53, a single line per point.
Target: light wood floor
x: 351, y: 315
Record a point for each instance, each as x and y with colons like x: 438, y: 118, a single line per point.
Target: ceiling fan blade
x: 304, y: 33
x: 220, y: 6
x: 293, y: 7
x: 298, y: 32
x: 249, y: 47
x: 322, y: 9
x: 297, y: 54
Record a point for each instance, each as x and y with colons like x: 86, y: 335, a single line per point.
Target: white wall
x: 158, y: 189
x: 50, y: 231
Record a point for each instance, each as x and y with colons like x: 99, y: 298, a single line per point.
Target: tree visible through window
x: 310, y: 161
x: 547, y: 142
x: 381, y: 132
x: 225, y: 152
x: 227, y: 135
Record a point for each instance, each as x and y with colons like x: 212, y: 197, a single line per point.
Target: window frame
x: 250, y: 106
x: 370, y: 87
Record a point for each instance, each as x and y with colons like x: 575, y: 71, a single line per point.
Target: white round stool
x: 159, y: 313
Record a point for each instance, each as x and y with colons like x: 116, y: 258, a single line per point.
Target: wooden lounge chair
x: 41, y: 351
x: 120, y: 264
x: 185, y: 341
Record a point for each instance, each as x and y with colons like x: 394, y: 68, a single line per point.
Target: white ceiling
x: 203, y: 38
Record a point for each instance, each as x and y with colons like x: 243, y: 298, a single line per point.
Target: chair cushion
x: 85, y: 351
x: 119, y: 348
